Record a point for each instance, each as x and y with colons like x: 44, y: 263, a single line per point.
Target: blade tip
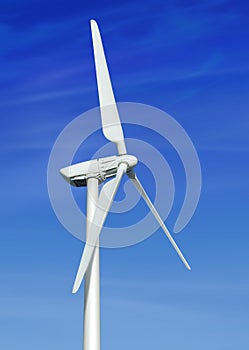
x: 93, y: 23
x: 75, y: 289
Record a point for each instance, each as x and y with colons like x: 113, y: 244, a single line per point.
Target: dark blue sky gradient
x: 189, y: 58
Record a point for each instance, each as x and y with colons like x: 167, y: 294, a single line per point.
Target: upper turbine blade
x: 103, y: 205
x: 111, y: 125
x: 141, y: 190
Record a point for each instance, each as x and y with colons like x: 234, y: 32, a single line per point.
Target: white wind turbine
x: 91, y: 174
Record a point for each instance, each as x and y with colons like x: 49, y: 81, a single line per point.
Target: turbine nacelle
x: 102, y: 168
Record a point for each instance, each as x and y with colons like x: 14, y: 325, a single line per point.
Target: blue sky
x: 189, y: 58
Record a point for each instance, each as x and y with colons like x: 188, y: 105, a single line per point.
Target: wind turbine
x: 91, y: 174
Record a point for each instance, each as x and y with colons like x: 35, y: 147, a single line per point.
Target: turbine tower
x: 91, y: 174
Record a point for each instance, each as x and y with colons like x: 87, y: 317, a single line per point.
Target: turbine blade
x: 103, y: 205
x: 111, y: 125
x: 141, y: 190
